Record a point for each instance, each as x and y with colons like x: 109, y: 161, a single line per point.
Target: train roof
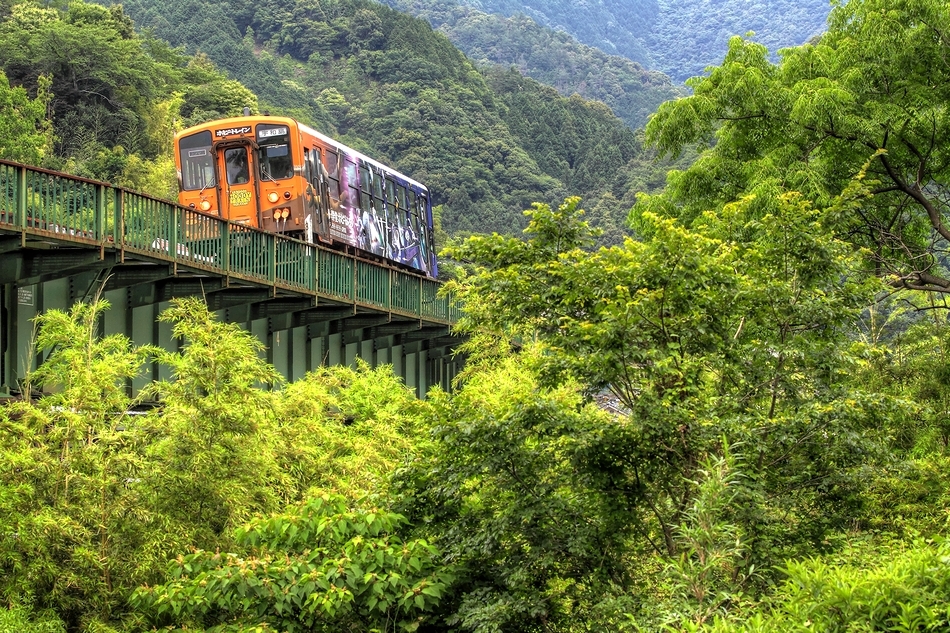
x: 304, y: 128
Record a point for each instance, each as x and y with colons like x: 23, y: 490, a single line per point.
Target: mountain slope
x: 387, y: 84
x: 552, y: 57
x: 679, y: 38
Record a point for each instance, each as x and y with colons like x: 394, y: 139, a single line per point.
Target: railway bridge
x: 65, y: 239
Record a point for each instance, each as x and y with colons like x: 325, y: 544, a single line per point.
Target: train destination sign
x: 231, y: 131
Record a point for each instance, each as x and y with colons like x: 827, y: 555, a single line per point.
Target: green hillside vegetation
x: 688, y: 37
x: 553, y: 58
x: 737, y: 422
x: 679, y: 38
x: 109, y: 99
x: 395, y: 89
x: 378, y: 80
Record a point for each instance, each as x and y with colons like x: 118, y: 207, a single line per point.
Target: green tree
x: 736, y: 328
x: 319, y: 567
x: 862, y: 110
x: 66, y: 496
x: 214, y: 437
x: 26, y: 134
x: 503, y: 488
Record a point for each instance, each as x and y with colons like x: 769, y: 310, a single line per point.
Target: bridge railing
x: 71, y: 209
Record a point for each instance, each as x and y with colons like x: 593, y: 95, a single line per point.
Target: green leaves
x: 904, y: 589
x: 25, y: 131
x: 865, y: 101
x: 318, y: 566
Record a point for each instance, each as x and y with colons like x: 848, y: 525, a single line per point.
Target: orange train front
x: 276, y: 174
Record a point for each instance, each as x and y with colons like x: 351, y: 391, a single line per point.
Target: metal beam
x: 353, y: 327
x: 134, y: 274
x: 422, y: 334
x: 26, y: 268
x: 321, y: 314
x: 281, y: 306
x: 9, y: 243
x: 393, y: 328
x: 233, y: 297
x: 168, y: 289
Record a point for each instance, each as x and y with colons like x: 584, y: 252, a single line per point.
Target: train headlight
x: 205, y: 205
x: 286, y: 195
x: 272, y: 196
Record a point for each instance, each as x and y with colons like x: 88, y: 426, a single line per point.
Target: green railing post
x: 175, y: 214
x: 21, y: 197
x: 118, y: 222
x: 316, y: 270
x: 100, y: 219
x: 272, y: 265
x: 226, y: 245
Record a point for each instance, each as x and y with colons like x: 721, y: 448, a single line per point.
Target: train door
x: 237, y: 193
x: 316, y: 196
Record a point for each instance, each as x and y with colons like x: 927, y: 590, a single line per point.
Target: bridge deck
x: 54, y: 226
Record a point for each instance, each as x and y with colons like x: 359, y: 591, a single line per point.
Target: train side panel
x: 275, y: 174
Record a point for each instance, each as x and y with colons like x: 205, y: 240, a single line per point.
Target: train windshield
x: 274, y: 155
x: 197, y: 161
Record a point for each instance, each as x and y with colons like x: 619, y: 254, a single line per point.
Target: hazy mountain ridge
x: 385, y: 83
x: 677, y: 38
x: 552, y: 57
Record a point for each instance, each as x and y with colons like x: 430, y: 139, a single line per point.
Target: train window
x: 333, y: 187
x: 310, y: 161
x: 274, y: 152
x: 365, y: 202
x: 350, y: 184
x: 390, y: 198
x: 197, y: 161
x: 349, y: 170
x: 401, y: 197
x: 332, y: 163
x: 236, y: 160
x: 366, y: 179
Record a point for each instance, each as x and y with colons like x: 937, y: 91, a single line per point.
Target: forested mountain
x: 737, y: 422
x: 389, y: 85
x: 677, y: 37
x: 110, y: 96
x: 552, y: 57
x: 379, y: 80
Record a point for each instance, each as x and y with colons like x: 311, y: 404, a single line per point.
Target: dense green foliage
x: 678, y: 38
x: 863, y: 110
x: 319, y: 567
x: 737, y: 421
x: 25, y: 134
x: 387, y: 84
x: 107, y: 99
x: 551, y: 57
x: 94, y: 499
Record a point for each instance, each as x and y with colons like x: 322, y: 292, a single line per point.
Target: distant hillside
x: 552, y: 57
x: 677, y: 37
x: 487, y: 144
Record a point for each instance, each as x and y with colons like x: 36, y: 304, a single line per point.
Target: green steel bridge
x: 65, y: 239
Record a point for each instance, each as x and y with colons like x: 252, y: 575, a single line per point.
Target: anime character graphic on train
x: 279, y: 175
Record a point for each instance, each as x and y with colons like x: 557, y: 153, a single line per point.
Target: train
x: 277, y: 174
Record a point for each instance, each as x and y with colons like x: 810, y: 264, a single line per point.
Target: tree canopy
x: 860, y: 112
